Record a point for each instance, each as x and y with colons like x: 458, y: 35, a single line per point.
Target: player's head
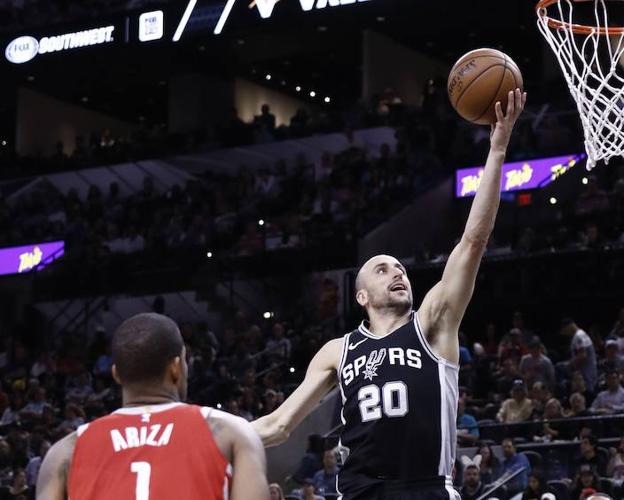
x: 382, y: 285
x: 148, y: 352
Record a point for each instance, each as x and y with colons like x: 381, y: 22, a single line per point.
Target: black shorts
x: 389, y: 491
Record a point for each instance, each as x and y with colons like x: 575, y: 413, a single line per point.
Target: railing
x: 502, y: 481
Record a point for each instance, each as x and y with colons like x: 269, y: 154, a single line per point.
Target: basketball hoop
x: 590, y: 57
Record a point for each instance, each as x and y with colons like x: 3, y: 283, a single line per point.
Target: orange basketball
x: 478, y: 80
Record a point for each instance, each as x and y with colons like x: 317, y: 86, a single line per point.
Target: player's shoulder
x: 229, y: 430
x: 62, y: 451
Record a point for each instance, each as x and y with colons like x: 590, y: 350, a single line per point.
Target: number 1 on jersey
x: 143, y: 470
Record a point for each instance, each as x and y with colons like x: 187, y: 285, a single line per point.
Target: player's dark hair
x: 143, y: 346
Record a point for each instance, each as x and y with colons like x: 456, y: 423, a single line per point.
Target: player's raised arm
x: 52, y: 480
x: 320, y: 378
x: 444, y: 306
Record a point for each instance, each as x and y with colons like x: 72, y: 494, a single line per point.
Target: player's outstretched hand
x: 501, y: 130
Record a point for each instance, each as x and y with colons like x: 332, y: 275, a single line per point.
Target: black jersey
x: 399, y: 411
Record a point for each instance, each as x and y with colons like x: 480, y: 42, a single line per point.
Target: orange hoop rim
x: 581, y: 29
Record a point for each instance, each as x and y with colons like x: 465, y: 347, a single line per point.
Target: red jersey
x: 163, y: 452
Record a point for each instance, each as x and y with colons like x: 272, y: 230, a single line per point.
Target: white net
x: 590, y: 57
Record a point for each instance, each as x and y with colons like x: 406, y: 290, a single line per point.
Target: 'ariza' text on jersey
x: 367, y: 365
x: 146, y: 435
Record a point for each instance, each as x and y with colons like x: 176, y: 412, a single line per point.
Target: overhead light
x: 268, y: 315
x: 219, y: 406
x: 553, y: 201
x: 209, y: 255
x: 30, y: 78
x: 268, y: 77
x: 298, y: 88
x: 85, y: 99
x: 312, y: 93
x: 585, y: 180
x: 202, y: 48
x: 327, y: 100
x: 322, y: 29
x: 380, y: 19
x: 4, y: 143
x: 283, y: 82
x: 292, y: 369
x: 240, y: 41
x: 261, y: 222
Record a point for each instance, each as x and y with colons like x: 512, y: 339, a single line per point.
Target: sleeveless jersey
x: 399, y: 411
x: 158, y: 452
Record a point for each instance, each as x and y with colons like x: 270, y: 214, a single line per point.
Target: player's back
x: 149, y: 453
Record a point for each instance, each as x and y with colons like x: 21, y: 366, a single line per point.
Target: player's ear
x: 115, y: 374
x: 175, y: 369
x: 362, y: 297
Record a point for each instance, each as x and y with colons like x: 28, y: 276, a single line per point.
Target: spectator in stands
x: 467, y: 427
x: 536, y: 487
x: 612, y: 359
x: 276, y: 491
x: 307, y: 491
x: 517, y: 321
x: 512, y: 462
x: 512, y: 346
x: 19, y: 489
x: 615, y: 467
x: 278, y: 345
x: 472, y: 486
x: 32, y: 469
x: 578, y: 385
x: 325, y: 479
x: 585, y: 478
x: 37, y: 401
x: 518, y: 408
x: 265, y: 118
x: 506, y: 376
x: 554, y: 430
x: 589, y: 456
x: 74, y: 418
x: 610, y: 400
x: 537, y: 367
x: 312, y: 460
x: 540, y: 395
x: 489, y: 468
x: 582, y: 351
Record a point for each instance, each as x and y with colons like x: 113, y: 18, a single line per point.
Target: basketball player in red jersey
x: 155, y: 447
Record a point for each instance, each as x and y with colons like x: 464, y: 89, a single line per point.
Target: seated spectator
x: 467, y: 428
x: 554, y: 430
x: 307, y: 491
x: 278, y: 346
x: 325, y: 479
x: 512, y: 346
x: 34, y: 408
x: 612, y: 359
x: 472, y: 486
x: 489, y: 467
x: 588, y: 455
x: 18, y: 490
x: 81, y: 389
x: 536, y: 487
x: 34, y: 464
x: 612, y: 399
x: 276, y: 491
x: 540, y: 395
x: 578, y: 385
x: 585, y: 478
x: 518, y: 408
x: 511, y: 463
x: 74, y: 418
x: 537, y: 367
x: 506, y: 376
x: 615, y: 467
x: 312, y: 460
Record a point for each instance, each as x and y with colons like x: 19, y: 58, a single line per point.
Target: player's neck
x: 384, y: 322
x: 134, y: 397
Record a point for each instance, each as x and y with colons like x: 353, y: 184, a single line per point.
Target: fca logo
x: 265, y: 7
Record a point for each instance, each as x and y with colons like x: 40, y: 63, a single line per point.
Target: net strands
x: 591, y: 65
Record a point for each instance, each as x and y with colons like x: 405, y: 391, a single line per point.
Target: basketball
x: 478, y: 80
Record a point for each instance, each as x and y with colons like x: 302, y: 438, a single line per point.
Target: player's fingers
x: 519, y: 104
x: 524, y: 99
x: 510, y: 104
x: 499, y: 112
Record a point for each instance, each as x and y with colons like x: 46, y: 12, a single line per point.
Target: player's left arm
x: 54, y: 472
x: 444, y: 306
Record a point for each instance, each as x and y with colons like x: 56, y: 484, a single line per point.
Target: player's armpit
x: 249, y: 464
x: 54, y: 472
x: 320, y: 378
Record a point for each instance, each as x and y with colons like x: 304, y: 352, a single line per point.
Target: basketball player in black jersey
x: 398, y: 372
